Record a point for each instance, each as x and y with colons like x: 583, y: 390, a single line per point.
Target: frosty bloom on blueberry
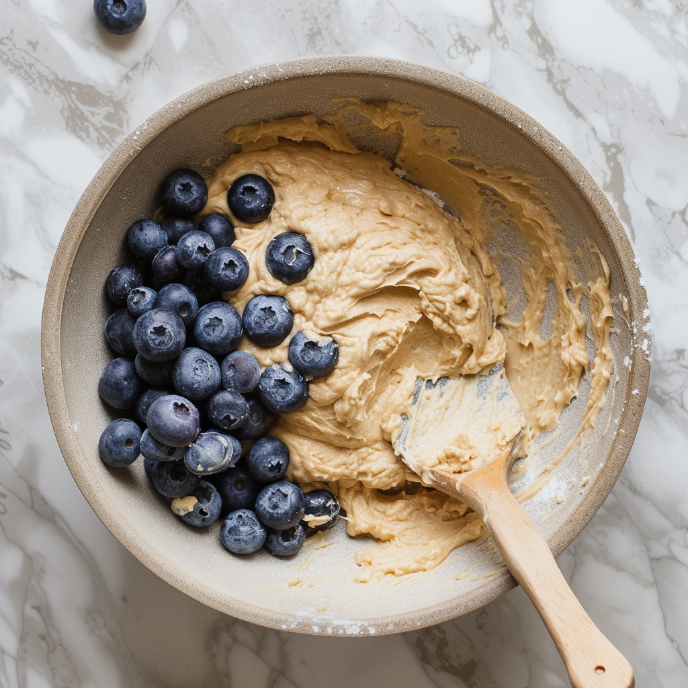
x: 268, y: 319
x: 250, y: 198
x: 289, y: 257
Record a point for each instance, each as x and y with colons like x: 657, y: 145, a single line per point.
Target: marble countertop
x: 607, y: 77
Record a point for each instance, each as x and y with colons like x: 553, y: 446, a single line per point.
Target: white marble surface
x: 608, y: 77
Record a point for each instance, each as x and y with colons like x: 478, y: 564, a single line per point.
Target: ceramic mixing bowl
x: 317, y: 592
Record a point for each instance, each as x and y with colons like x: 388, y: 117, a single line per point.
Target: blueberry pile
x: 195, y: 397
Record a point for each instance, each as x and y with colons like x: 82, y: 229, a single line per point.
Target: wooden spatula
x: 458, y: 436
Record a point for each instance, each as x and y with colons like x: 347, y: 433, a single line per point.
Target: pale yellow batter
x: 406, y: 290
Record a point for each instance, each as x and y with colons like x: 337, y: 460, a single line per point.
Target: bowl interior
x: 316, y: 593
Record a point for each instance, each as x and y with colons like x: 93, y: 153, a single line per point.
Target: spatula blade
x: 459, y: 423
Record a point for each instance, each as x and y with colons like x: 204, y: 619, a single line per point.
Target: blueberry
x: 234, y: 446
x: 200, y: 508
x: 141, y: 300
x: 199, y: 285
x: 120, y: 16
x: 220, y: 229
x: 322, y: 511
x: 285, y: 543
x: 146, y: 238
x: 289, y: 257
x: 218, y: 328
x: 165, y: 267
x: 242, y: 532
x: 283, y: 389
x: 228, y: 409
x: 259, y: 420
x: 119, y: 384
x: 314, y: 358
x: 146, y: 399
x: 177, y: 227
x: 180, y: 300
x: 196, y: 374
x: 153, y: 450
x: 267, y: 319
x: 240, y: 372
x: 226, y: 268
x: 212, y: 452
x: 193, y: 249
x: 174, y: 421
x: 267, y: 460
x: 184, y: 192
x: 121, y: 281
x: 148, y: 468
x: 120, y: 443
x: 280, y: 505
x: 152, y: 372
x: 159, y: 335
x: 172, y: 479
x: 250, y: 198
x: 119, y: 332
x: 237, y: 488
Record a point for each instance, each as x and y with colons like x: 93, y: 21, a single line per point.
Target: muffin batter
x: 407, y: 289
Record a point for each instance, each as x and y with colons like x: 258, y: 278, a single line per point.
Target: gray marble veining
x: 607, y: 77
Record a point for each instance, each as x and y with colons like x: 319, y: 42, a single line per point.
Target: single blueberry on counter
x: 289, y: 257
x: 153, y: 372
x: 120, y: 16
x: 119, y: 385
x: 165, y: 267
x: 283, y: 389
x: 120, y: 443
x: 146, y: 399
x: 180, y: 300
x: 259, y: 420
x: 240, y: 372
x: 146, y: 238
x: 237, y: 488
x: 184, y: 192
x: 174, y: 421
x: 250, y: 198
x: 193, y: 249
x: 200, y: 508
x: 211, y: 452
x: 153, y: 450
x: 141, y: 300
x: 196, y: 374
x: 313, y: 358
x: 172, y: 479
x: 199, y: 285
x: 220, y: 229
x: 226, y: 268
x: 121, y: 281
x: 267, y: 319
x: 280, y: 505
x: 177, y: 227
x: 119, y: 332
x: 323, y: 509
x: 242, y: 532
x: 267, y: 460
x: 227, y: 409
x: 159, y: 335
x: 218, y: 328
x: 285, y: 543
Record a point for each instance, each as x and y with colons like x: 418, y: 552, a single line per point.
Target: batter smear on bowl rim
x: 407, y: 290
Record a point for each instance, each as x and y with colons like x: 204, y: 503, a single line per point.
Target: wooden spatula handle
x: 591, y: 660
